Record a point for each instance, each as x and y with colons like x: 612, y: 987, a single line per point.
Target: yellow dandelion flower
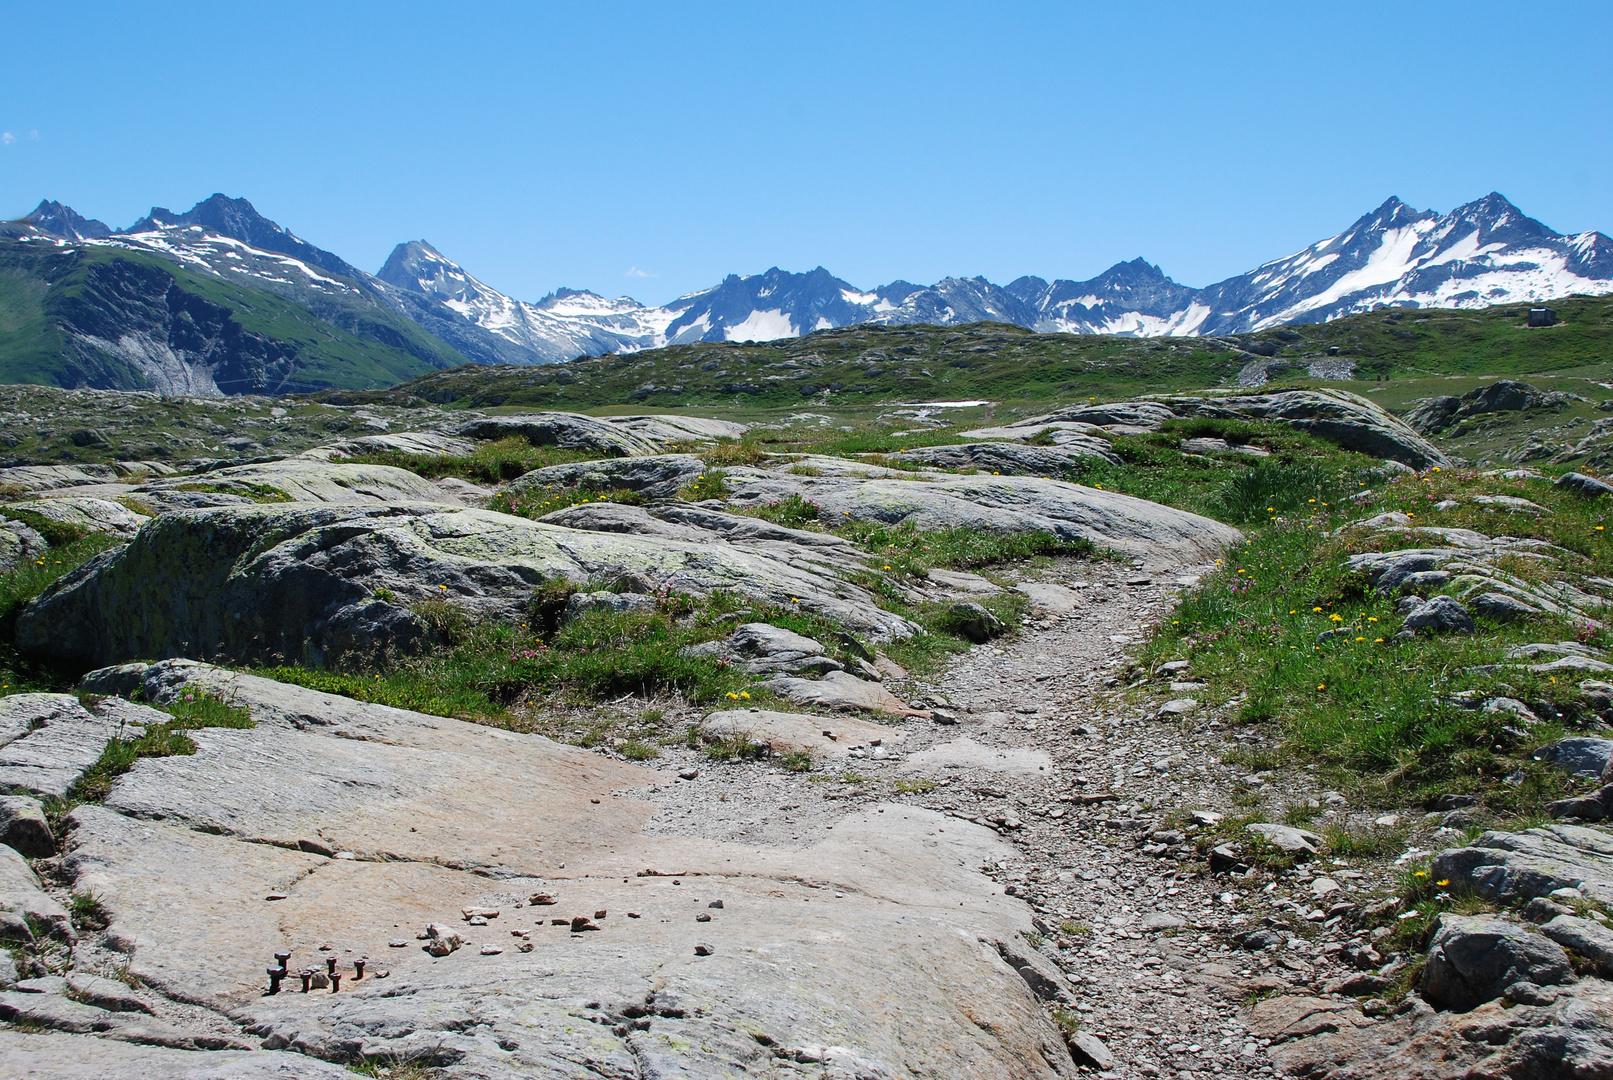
x: 1443, y: 883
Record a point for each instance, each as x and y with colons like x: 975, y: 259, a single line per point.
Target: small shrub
x: 792, y: 512
x: 88, y: 910
x: 796, y: 761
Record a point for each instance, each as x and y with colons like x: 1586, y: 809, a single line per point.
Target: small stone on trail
x: 396, y: 943
x: 601, y: 913
x: 275, y: 896
x: 539, y: 899
x: 702, y: 917
x: 703, y: 950
x: 491, y: 950
x: 688, y: 774
x: 1287, y: 838
x: 581, y: 923
x: 632, y: 915
x: 715, y: 904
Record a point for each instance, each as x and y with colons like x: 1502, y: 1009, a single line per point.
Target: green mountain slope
x: 86, y: 315
x: 1008, y: 363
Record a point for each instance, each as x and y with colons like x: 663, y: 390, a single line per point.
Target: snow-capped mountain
x: 564, y: 324
x: 1483, y: 253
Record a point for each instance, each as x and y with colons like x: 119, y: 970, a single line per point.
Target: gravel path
x: 1095, y: 786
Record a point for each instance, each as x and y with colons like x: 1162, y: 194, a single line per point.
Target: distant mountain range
x: 1483, y: 253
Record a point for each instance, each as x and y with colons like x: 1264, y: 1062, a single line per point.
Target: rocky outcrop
x: 607, y: 436
x: 1476, y: 958
x: 355, y: 826
x: 306, y: 480
x: 844, y: 490
x: 1513, y: 867
x: 1433, y: 415
x: 1340, y: 417
x: 316, y: 583
x: 83, y: 512
x: 19, y: 543
x: 425, y: 443
x: 1011, y: 459
x: 823, y: 737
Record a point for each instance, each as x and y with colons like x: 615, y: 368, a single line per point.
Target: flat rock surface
x: 47, y: 741
x: 968, y: 754
x: 838, y: 690
x: 50, y: 1055
x: 20, y: 890
x: 783, y: 733
x: 846, y: 949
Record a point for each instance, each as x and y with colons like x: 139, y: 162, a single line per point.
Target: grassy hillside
x: 50, y: 296
x: 1007, y: 363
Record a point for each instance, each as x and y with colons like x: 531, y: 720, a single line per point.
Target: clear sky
x: 651, y: 148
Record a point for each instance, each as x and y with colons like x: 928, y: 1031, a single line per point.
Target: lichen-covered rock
x: 606, y: 436
x: 1439, y: 615
x: 1011, y: 459
x: 1513, y: 867
x: 87, y: 513
x: 655, y: 477
x: 1345, y: 419
x: 19, y: 543
x: 315, y: 583
x: 845, y: 490
x: 23, y: 827
x: 427, y: 443
x: 307, y: 480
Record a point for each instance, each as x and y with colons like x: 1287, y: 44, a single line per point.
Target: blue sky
x: 587, y: 144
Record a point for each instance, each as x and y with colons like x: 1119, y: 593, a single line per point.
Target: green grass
x: 193, y: 711
x: 1362, y: 702
x: 319, y: 341
x: 493, y: 463
x: 22, y: 584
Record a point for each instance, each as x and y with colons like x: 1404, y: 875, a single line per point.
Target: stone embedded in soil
x: 1473, y: 958
x: 23, y: 827
x: 1287, y: 838
x: 786, y: 733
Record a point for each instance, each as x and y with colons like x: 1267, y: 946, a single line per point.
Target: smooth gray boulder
x: 1579, y: 755
x: 55, y: 477
x: 1593, y: 807
x: 301, y: 581
x: 974, y: 622
x: 763, y: 649
x: 1432, y: 415
x: 785, y: 733
x: 840, y: 690
x: 845, y: 490
x: 1514, y: 867
x: 655, y: 477
x: 579, y: 604
x: 1012, y: 459
x: 1580, y: 484
x: 1287, y: 838
x: 1473, y: 958
x: 1439, y: 615
x: 1501, y: 607
x: 440, y: 815
x: 23, y: 827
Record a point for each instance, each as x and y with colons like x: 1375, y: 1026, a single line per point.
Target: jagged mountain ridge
x: 1482, y: 253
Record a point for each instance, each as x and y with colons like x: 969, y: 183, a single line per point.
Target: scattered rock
x: 1013, y: 459
x: 974, y: 622
x: 784, y: 733
x: 840, y: 690
x: 1580, y: 484
x: 1287, y: 838
x: 1586, y: 938
x: 1439, y: 615
x: 1088, y: 1049
x: 1579, y: 756
x: 24, y: 828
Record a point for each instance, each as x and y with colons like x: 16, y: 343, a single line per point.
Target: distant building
x: 1542, y: 316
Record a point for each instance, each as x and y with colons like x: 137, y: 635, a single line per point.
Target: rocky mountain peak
x: 52, y: 217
